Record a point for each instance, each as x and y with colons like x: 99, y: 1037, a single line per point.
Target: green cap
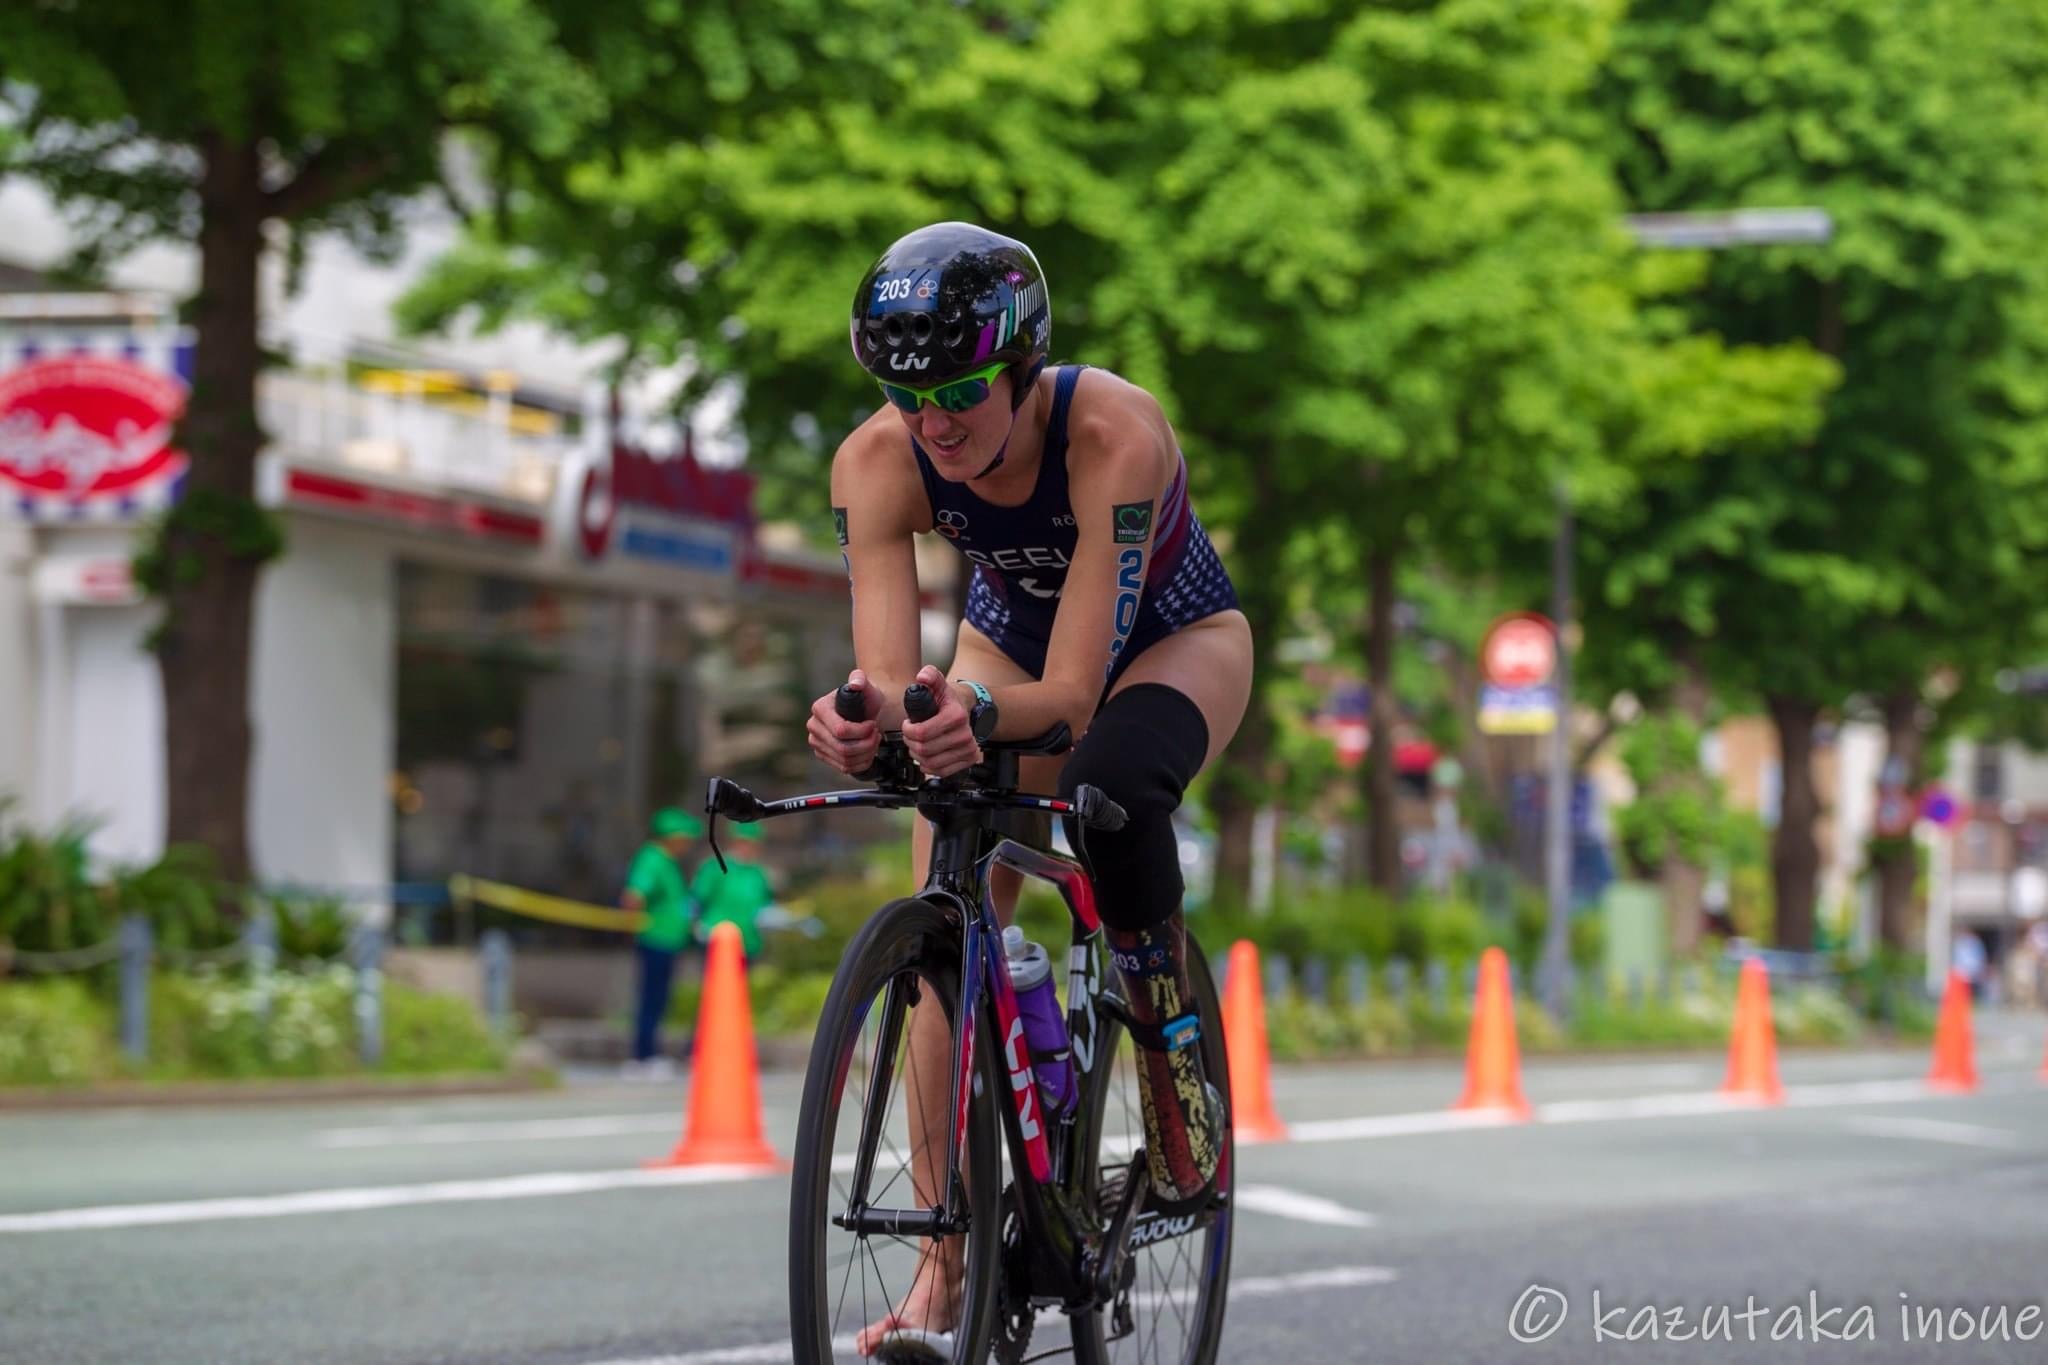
x: 669, y: 821
x: 747, y: 829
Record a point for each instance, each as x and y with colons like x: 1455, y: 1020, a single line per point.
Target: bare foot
x: 932, y: 1304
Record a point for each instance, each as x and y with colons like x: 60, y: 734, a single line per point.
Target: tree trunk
x: 1897, y: 867
x: 1242, y: 770
x: 1240, y: 779
x: 1795, y: 856
x: 203, y: 648
x: 1684, y: 880
x: 1382, y: 811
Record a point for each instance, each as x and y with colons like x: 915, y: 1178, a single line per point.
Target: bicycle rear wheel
x: 860, y: 1092
x: 1170, y: 1311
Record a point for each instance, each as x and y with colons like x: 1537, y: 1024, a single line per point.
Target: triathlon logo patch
x: 1133, y: 522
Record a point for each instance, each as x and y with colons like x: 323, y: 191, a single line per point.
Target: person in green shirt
x: 738, y: 894
x: 656, y: 886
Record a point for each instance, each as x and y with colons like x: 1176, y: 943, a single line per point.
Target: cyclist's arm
x: 1120, y: 455
x: 875, y: 485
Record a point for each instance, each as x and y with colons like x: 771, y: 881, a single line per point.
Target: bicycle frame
x: 1069, y: 1243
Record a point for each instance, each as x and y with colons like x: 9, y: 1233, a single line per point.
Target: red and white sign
x: 434, y: 512
x: 86, y: 582
x: 81, y: 427
x: 792, y: 576
x: 1520, y: 651
x: 1519, y: 663
x: 673, y: 487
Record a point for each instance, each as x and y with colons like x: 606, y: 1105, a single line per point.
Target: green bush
x: 309, y: 928
x: 48, y: 901
x: 52, y: 901
x: 1690, y: 1019
x: 786, y: 1003
x: 211, y: 1024
x: 1815, y: 1014
x: 53, y: 1033
x: 436, y: 1033
x: 841, y: 905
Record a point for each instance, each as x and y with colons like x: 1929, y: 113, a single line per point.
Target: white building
x: 496, y: 642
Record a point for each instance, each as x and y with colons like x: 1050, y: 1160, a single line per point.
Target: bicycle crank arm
x: 901, y: 1223
x: 1116, y: 1240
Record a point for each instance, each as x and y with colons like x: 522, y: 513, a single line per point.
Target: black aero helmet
x: 949, y: 299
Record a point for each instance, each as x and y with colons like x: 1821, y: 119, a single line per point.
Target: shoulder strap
x: 1062, y: 399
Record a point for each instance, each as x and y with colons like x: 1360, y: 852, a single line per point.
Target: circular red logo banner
x: 1520, y: 651
x: 86, y: 426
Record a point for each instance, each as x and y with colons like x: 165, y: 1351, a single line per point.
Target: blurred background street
x: 1625, y: 426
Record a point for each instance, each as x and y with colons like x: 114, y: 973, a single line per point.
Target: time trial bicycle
x: 1065, y: 1230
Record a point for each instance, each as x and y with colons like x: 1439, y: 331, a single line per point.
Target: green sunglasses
x: 955, y: 395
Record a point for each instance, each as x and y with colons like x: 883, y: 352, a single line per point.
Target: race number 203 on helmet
x: 951, y: 300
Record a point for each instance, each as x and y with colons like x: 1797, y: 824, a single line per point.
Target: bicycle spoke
x: 882, y: 1281
x: 845, y: 1281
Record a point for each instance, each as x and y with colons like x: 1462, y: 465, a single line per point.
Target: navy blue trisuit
x: 1021, y: 554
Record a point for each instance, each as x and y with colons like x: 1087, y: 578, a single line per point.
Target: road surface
x: 522, y: 1230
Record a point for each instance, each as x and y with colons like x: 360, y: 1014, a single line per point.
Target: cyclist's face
x: 961, y: 443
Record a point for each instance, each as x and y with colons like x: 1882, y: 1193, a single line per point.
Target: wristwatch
x: 981, y: 717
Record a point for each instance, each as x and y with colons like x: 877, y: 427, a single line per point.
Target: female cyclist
x: 1096, y: 599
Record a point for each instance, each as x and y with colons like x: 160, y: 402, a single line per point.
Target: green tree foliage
x: 213, y: 124
x: 1906, y: 537
x: 1357, y: 253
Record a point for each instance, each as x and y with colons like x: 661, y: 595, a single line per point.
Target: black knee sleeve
x: 1142, y: 749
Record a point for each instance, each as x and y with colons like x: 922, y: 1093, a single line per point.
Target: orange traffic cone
x: 1753, y: 1043
x: 723, y: 1127
x: 1493, y: 1060
x: 1955, y: 1066
x: 1244, y: 1041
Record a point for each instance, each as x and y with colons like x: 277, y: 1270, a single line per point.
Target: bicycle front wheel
x: 873, y: 1132
x: 1170, y: 1309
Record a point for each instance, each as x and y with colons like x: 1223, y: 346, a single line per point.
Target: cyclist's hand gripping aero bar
x: 1090, y: 807
x: 852, y: 704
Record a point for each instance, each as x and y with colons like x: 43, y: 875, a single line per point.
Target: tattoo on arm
x: 839, y: 526
x: 1131, y: 524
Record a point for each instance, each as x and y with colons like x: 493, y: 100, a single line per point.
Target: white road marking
x: 1393, y: 1125
x: 371, y: 1197
x: 1303, y: 1208
x: 1050, y: 1319
x: 1640, y: 1107
x: 518, y: 1130
x: 1331, y: 1277
x: 1697, y: 1103
x: 1862, y: 1092
x: 1934, y: 1130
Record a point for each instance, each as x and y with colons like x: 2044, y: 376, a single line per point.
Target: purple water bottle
x: 1045, y: 1029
